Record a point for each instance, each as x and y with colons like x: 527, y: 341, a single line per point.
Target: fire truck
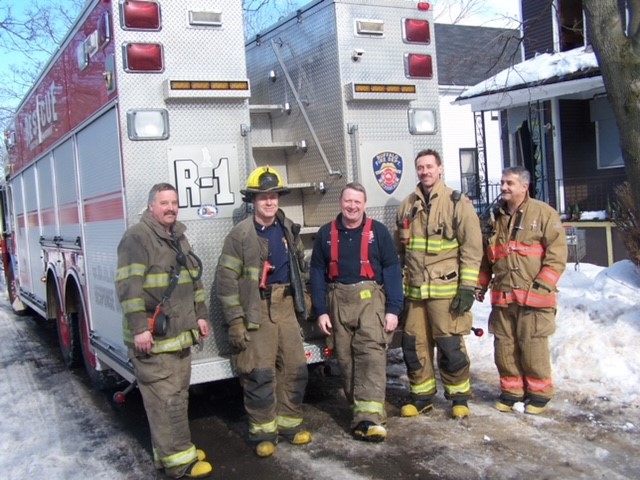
x: 149, y: 91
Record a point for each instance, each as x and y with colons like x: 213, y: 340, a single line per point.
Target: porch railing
x: 566, y: 195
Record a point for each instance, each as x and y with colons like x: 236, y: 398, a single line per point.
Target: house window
x: 469, y: 179
x: 607, y: 138
x: 571, y: 24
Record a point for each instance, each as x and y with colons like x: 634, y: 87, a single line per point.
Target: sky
x: 494, y: 13
x: 596, y: 367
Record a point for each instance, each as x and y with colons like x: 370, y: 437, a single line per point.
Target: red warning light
x: 418, y: 65
x: 143, y: 57
x: 417, y: 31
x: 139, y: 15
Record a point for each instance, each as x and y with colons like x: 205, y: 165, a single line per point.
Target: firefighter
x: 260, y: 286
x: 525, y: 254
x: 356, y: 291
x: 162, y: 297
x: 440, y: 245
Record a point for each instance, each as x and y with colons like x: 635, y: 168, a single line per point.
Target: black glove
x: 238, y: 336
x: 463, y: 300
x: 542, y: 285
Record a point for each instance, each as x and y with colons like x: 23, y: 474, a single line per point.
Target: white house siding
x: 458, y: 132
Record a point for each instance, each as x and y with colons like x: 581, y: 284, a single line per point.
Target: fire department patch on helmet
x: 388, y: 168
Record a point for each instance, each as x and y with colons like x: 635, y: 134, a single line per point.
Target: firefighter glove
x: 238, y: 336
x: 546, y: 287
x: 463, y: 300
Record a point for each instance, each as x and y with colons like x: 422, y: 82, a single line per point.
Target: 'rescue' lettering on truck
x: 142, y: 92
x: 38, y: 125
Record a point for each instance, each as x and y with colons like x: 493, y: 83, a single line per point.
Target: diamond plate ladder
x: 259, y: 137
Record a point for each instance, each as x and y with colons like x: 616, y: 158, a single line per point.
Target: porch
x: 583, y: 203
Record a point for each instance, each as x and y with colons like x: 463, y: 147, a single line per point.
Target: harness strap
x: 333, y: 264
x: 366, y: 270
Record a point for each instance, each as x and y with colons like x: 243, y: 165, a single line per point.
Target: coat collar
x: 178, y: 228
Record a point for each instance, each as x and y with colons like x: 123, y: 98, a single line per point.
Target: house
x: 471, y: 145
x: 558, y: 121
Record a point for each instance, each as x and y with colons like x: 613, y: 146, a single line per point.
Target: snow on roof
x: 540, y: 69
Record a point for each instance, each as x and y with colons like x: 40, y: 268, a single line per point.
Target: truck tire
x: 68, y: 337
x: 100, y: 379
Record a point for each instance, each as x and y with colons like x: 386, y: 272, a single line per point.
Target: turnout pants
x: 521, y: 349
x: 273, y: 370
x: 429, y: 324
x: 163, y: 380
x: 357, y: 315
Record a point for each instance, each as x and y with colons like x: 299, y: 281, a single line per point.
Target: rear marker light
x: 416, y: 31
x: 143, y: 57
x: 418, y: 65
x: 424, y: 6
x: 140, y: 15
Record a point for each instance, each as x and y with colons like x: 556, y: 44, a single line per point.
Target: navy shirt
x: 382, y: 256
x: 278, y: 251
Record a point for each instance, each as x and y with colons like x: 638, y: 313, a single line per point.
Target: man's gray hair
x: 358, y: 187
x: 159, y: 187
x: 523, y: 173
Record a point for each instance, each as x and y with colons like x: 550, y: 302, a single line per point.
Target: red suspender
x: 333, y: 264
x: 365, y: 265
x: 366, y: 270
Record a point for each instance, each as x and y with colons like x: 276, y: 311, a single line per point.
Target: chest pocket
x: 530, y: 233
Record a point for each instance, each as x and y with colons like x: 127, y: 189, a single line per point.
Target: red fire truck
x: 142, y: 92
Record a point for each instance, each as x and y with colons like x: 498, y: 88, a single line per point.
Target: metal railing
x: 566, y: 195
x: 588, y: 193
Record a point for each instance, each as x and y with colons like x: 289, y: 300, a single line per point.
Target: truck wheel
x: 68, y: 338
x: 100, y: 379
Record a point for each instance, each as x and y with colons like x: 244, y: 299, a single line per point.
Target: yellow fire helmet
x: 262, y: 180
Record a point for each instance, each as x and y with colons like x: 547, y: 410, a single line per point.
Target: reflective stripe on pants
x: 521, y: 346
x: 357, y: 316
x: 426, y: 321
x: 163, y: 380
x: 274, y: 367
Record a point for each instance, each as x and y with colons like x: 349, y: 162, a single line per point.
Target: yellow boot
x: 416, y: 408
x: 301, y: 437
x: 199, y: 469
x: 265, y: 449
x: 460, y: 409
